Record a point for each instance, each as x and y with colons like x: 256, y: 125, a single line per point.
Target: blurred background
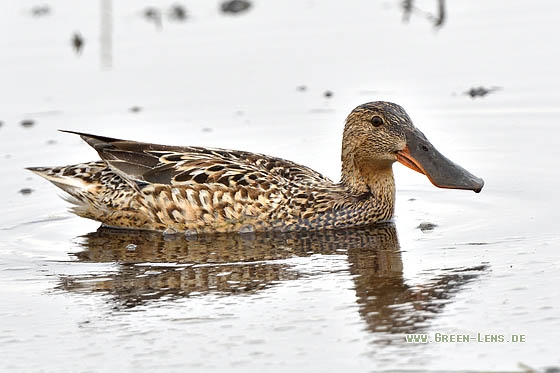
x: 479, y: 78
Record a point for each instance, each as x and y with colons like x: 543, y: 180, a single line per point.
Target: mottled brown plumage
x: 204, y: 190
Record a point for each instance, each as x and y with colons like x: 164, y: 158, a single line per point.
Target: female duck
x: 203, y: 190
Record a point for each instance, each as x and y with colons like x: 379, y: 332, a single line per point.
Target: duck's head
x: 377, y: 134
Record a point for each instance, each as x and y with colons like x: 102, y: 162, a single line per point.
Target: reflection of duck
x: 153, y: 265
x: 169, y: 267
x: 389, y: 304
x: 158, y: 187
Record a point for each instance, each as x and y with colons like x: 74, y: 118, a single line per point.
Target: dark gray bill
x: 420, y: 155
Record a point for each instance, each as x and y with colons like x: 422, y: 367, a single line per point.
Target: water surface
x: 78, y: 298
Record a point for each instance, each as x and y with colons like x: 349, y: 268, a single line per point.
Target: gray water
x: 75, y: 298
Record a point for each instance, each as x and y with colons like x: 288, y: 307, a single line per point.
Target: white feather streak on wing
x: 70, y: 182
x: 191, y: 197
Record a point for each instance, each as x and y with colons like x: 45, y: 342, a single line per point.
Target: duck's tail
x: 97, y: 193
x: 83, y: 183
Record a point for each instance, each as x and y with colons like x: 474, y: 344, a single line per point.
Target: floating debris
x: 207, y: 129
x: 51, y: 142
x: 77, y: 42
x: 135, y: 109
x: 301, y: 88
x: 481, y: 91
x: 26, y: 191
x: 40, y: 11
x: 153, y: 15
x: 27, y: 123
x: 438, y: 19
x: 235, y: 6
x: 178, y: 13
x: 328, y: 94
x: 426, y: 226
x: 131, y: 247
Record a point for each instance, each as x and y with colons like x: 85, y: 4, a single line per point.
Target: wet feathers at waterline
x: 203, y: 190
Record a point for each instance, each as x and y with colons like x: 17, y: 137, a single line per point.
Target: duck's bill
x: 421, y: 156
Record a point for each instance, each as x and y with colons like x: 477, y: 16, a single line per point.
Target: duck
x: 201, y: 190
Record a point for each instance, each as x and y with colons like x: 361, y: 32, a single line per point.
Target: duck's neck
x: 370, y: 180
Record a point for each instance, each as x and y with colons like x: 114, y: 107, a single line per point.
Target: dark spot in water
x: 153, y: 15
x: 77, y: 42
x: 40, y: 11
x: 178, y: 13
x: 82, y: 323
x: 135, y: 109
x: 412, y: 199
x: 235, y: 6
x: 27, y: 123
x: 51, y: 142
x: 328, y: 94
x: 207, y: 129
x: 301, y: 88
x: 426, y: 226
x: 151, y: 12
x: 1, y: 123
x: 25, y: 191
x: 481, y: 91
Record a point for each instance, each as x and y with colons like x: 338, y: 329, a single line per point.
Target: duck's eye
x: 376, y: 121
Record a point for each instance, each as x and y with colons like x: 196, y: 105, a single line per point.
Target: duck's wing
x: 144, y: 163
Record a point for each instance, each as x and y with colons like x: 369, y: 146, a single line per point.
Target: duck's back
x: 159, y: 187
